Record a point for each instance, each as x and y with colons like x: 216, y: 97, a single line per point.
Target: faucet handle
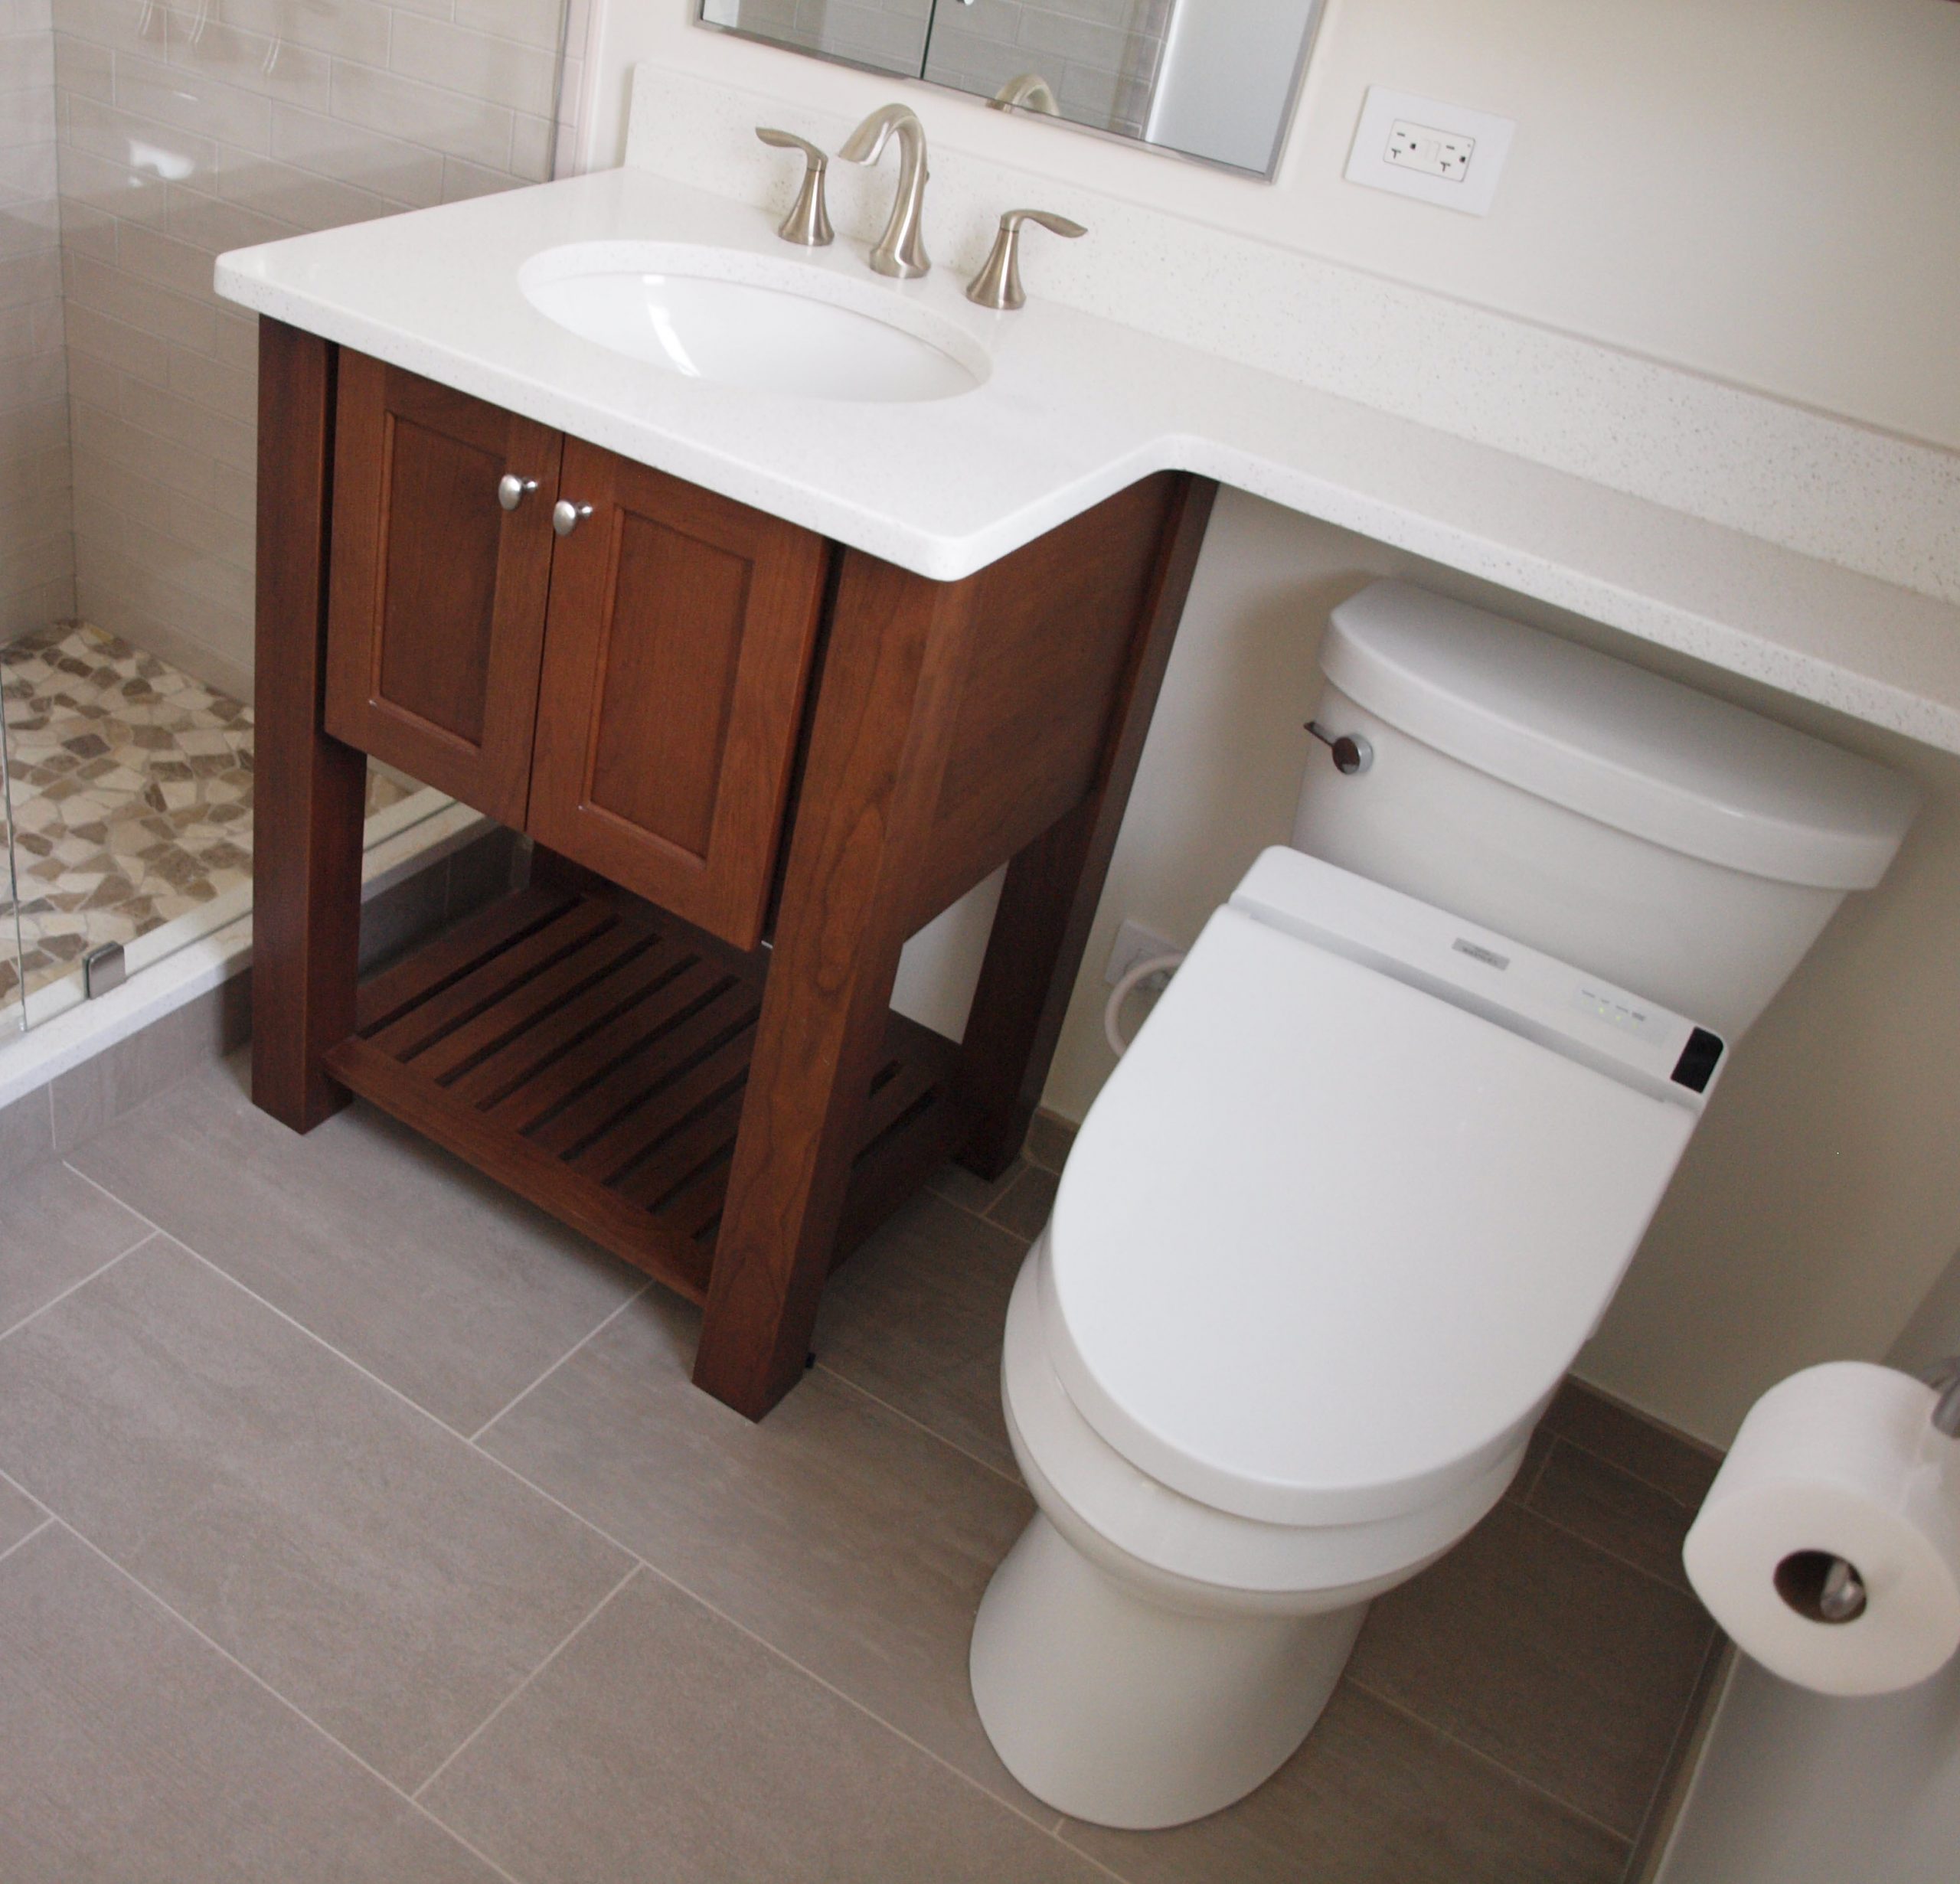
x: 808, y: 223
x: 998, y: 284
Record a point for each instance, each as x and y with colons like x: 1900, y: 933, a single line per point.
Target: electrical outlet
x: 1447, y: 155
x: 1433, y: 153
x: 1134, y: 944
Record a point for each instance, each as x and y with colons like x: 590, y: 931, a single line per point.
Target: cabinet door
x: 679, y: 642
x: 435, y: 613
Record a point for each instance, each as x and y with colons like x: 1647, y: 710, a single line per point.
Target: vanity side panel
x: 1056, y: 623
x: 677, y: 654
x: 1048, y: 902
x: 436, y: 616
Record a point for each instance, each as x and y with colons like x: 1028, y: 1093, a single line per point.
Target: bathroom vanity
x: 754, y: 760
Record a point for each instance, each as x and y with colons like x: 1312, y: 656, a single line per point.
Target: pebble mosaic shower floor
x: 131, y: 795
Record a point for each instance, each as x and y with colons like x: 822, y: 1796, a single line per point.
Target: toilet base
x: 1121, y: 1710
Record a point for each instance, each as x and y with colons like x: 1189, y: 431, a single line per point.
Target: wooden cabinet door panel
x: 436, y: 615
x: 676, y: 655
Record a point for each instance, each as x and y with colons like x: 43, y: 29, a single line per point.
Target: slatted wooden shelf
x: 592, y: 1054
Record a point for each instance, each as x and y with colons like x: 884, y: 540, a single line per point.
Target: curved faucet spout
x: 900, y: 251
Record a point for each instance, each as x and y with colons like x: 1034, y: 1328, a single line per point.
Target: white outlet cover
x: 1382, y: 111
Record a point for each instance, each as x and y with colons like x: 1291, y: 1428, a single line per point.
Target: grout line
x: 393, y: 1391
x: 1491, y: 1761
x: 633, y: 1570
x: 852, y: 1700
x: 48, y: 1519
x: 1530, y: 1491
x: 1611, y: 1556
x: 1700, y: 1696
x: 292, y: 1707
x: 912, y: 1419
x: 120, y: 1203
x: 53, y: 1301
x: 590, y: 1335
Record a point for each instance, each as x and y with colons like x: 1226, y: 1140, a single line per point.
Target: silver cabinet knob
x: 510, y: 489
x: 565, y: 516
x: 1351, y: 751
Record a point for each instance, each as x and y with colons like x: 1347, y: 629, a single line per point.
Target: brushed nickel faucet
x: 901, y: 250
x: 1027, y: 91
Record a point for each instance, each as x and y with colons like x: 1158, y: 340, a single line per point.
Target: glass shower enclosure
x: 138, y: 140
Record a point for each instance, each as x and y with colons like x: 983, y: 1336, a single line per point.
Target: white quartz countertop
x: 1076, y: 408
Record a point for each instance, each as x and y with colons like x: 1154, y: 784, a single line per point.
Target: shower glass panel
x: 13, y: 991
x: 128, y: 405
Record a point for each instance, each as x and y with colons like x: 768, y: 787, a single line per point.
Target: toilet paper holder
x: 1944, y: 1378
x: 1828, y: 1589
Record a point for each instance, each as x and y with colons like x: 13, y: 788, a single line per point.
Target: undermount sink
x: 749, y: 320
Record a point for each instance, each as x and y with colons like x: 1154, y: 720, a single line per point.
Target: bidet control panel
x: 1547, y: 1001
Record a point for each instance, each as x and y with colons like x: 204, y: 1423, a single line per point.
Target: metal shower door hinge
x: 103, y: 969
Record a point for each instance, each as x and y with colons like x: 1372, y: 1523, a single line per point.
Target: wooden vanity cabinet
x: 679, y: 639
x: 436, y: 622
x: 627, y: 691
x: 712, y: 721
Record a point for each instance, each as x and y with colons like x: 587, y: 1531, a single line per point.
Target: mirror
x: 1214, y: 80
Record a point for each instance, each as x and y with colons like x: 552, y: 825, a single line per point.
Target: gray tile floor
x: 356, y: 1521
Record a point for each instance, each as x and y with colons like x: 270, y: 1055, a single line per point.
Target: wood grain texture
x: 310, y: 788
x: 621, y: 1042
x: 1048, y: 901
x: 878, y: 746
x: 1046, y: 674
x: 680, y: 640
x: 436, y: 616
x: 932, y: 756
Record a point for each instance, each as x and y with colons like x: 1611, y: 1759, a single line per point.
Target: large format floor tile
x: 1373, y: 1797
x: 663, y: 1742
x: 838, y: 1531
x: 915, y: 1317
x: 1567, y: 1666
x: 441, y: 1283
x: 55, y: 1228
x: 376, y: 1570
x: 136, y: 1754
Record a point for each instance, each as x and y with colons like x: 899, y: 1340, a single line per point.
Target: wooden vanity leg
x: 1053, y: 885
x: 877, y: 753
x: 308, y: 787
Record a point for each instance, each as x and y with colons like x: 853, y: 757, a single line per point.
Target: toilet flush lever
x: 1352, y: 753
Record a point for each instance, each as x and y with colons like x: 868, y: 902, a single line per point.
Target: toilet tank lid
x: 1633, y: 750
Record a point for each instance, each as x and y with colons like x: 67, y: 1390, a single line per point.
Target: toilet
x: 1369, y: 1175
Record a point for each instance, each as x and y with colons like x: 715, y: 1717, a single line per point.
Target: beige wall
x: 1759, y: 189
x: 37, y: 553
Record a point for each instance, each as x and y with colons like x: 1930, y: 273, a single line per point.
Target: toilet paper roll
x: 1838, y: 1461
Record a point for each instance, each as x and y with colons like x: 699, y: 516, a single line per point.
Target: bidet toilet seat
x: 1136, y: 1527
x: 1328, y: 1240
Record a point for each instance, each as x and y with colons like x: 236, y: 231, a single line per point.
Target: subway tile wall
x: 1100, y: 56
x: 887, y: 34
x: 188, y: 130
x: 37, y: 552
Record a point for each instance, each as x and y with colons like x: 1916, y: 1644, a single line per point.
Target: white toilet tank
x: 1679, y: 846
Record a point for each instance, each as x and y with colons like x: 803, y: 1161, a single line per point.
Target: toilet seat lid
x: 1326, y: 1240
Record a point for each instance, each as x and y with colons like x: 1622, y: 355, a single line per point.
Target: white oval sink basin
x: 753, y: 320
